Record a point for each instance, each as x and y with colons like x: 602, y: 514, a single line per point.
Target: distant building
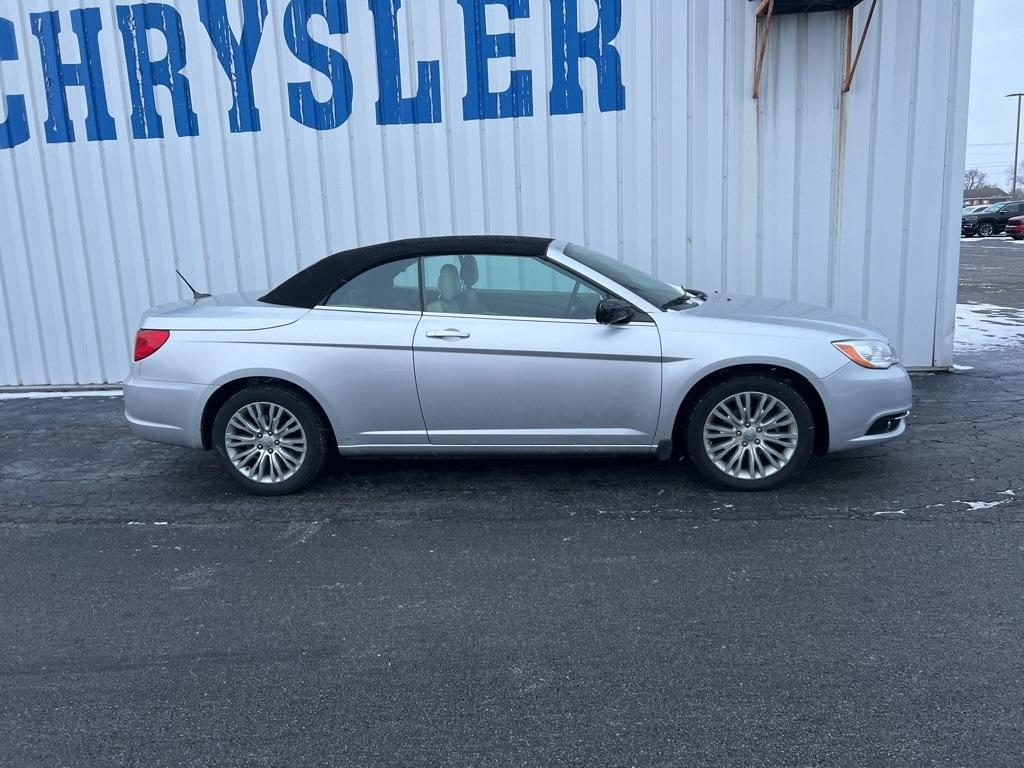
x: 985, y: 196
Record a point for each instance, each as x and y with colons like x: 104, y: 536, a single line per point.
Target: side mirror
x: 615, y: 312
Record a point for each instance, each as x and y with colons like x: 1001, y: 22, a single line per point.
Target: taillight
x: 147, y: 342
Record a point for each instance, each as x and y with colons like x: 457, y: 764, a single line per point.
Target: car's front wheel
x: 985, y: 229
x: 750, y: 433
x: 270, y: 440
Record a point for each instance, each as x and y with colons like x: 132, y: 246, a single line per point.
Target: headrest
x: 469, y: 271
x: 448, y: 284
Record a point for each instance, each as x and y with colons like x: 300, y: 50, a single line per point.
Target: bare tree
x: 973, y: 179
x: 1015, y: 181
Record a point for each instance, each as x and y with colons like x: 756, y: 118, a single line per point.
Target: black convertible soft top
x: 312, y: 286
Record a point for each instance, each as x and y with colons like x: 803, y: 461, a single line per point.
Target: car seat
x: 469, y: 274
x: 449, y: 291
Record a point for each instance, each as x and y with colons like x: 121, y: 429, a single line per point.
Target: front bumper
x: 968, y: 228
x: 165, y: 411
x: 857, y: 398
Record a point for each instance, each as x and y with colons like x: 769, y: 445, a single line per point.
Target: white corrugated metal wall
x: 848, y: 201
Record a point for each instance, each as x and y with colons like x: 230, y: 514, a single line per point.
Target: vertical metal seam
x: 90, y: 278
x: 585, y: 175
x: 147, y: 254
x: 759, y: 171
x: 689, y: 140
x: 289, y: 169
x: 723, y: 256
x: 655, y: 169
x: 516, y: 148
x: 548, y: 119
x: 799, y: 104
x: 200, y: 210
x: 837, y: 178
x: 872, y: 152
x: 908, y: 178
x: 4, y: 282
x: 947, y: 233
x: 55, y: 247
x: 232, y: 224
x: 453, y: 215
x: 410, y: 39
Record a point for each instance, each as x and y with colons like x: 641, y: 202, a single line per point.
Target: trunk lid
x: 224, y: 312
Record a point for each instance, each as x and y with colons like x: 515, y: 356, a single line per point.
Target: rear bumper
x: 857, y: 398
x: 165, y: 411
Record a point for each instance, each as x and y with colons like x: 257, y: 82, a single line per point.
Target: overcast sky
x: 997, y: 69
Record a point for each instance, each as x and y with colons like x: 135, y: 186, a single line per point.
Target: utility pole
x: 1016, y: 143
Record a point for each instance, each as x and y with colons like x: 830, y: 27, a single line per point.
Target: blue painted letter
x: 303, y: 104
x: 58, y: 76
x: 480, y: 103
x: 144, y: 75
x: 237, y: 56
x: 569, y: 45
x: 14, y: 130
x: 392, y: 109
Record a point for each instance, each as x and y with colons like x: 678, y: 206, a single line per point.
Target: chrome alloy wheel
x: 265, y: 442
x: 750, y: 435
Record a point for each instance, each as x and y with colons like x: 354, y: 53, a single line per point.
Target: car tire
x: 985, y: 229
x: 260, y: 466
x: 785, y: 452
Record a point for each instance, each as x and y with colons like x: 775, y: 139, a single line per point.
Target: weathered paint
x: 248, y: 138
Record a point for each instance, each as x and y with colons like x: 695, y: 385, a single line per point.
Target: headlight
x: 869, y: 353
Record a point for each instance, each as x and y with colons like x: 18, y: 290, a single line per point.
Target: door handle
x: 449, y: 333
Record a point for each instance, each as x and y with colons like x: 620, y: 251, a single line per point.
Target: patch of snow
x: 988, y: 326
x: 962, y: 367
x: 893, y: 512
x: 974, y: 506
x: 1007, y: 492
x: 62, y: 394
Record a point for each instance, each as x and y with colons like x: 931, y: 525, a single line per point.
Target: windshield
x: 655, y: 291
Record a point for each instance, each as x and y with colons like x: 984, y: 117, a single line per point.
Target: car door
x: 358, y: 349
x: 514, y: 357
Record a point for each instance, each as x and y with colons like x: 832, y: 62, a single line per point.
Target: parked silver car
x: 499, y: 345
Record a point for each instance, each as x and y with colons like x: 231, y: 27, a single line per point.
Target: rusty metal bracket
x: 763, y: 14
x: 850, y: 68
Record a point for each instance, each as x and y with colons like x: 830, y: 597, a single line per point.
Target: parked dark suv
x: 990, y: 221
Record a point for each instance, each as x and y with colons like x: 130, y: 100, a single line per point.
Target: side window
x: 510, y: 286
x: 394, y: 286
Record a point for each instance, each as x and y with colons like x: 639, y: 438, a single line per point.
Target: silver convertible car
x: 485, y: 346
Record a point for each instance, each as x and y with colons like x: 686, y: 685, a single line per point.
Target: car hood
x: 785, y: 314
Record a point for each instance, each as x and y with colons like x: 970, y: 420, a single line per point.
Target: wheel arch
x: 229, y: 388
x: 797, y: 380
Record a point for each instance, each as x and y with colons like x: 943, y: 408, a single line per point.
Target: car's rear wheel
x: 750, y: 433
x: 985, y: 229
x: 270, y: 440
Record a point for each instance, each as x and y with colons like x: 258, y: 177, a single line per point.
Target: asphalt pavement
x: 522, y: 613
